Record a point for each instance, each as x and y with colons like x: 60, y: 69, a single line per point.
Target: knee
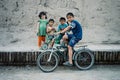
x: 52, y: 41
x: 64, y: 38
x: 69, y: 47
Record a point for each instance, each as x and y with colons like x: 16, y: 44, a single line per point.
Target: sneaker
x: 62, y: 49
x: 67, y: 63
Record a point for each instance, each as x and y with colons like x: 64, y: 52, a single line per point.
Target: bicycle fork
x: 50, y: 55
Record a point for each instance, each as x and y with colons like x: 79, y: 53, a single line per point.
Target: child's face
x: 62, y: 21
x: 70, y: 18
x: 43, y: 17
x: 51, y: 23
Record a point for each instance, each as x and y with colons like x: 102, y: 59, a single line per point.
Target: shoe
x: 67, y: 63
x: 62, y: 50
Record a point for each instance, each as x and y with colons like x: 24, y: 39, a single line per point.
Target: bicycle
x: 49, y: 59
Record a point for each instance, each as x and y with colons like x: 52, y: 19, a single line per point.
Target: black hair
x: 42, y: 13
x: 51, y: 20
x: 70, y: 14
x: 62, y: 18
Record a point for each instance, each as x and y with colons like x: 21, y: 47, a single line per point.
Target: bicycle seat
x: 83, y: 46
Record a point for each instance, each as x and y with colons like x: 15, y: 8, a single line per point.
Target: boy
x: 50, y: 32
x: 61, y: 27
x: 74, y: 38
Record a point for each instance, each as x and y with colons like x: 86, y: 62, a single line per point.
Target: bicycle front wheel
x: 84, y: 59
x: 44, y: 64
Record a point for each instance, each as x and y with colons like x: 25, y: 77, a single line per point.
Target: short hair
x: 70, y: 14
x: 51, y: 20
x: 42, y: 13
x: 62, y: 18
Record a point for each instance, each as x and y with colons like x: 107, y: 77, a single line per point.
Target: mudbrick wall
x: 100, y: 19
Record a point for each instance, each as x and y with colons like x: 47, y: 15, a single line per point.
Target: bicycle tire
x: 40, y: 62
x: 78, y: 61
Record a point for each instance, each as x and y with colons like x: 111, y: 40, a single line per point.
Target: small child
x: 50, y: 32
x: 42, y: 23
x: 61, y: 27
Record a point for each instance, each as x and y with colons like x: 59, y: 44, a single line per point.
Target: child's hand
x: 58, y: 33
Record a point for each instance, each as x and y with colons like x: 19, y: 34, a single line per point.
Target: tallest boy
x: 72, y: 39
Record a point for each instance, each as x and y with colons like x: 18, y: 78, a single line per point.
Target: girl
x: 42, y: 23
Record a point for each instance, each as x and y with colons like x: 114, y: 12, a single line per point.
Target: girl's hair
x: 62, y: 18
x: 42, y: 13
x: 70, y: 14
x: 51, y: 20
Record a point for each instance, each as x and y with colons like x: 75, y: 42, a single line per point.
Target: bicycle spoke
x: 83, y: 60
x: 46, y: 65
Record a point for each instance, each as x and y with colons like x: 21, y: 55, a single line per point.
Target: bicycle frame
x: 54, y: 48
x: 50, y: 55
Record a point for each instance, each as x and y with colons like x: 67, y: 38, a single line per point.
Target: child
x: 61, y: 27
x: 42, y: 23
x: 50, y: 32
x: 74, y: 38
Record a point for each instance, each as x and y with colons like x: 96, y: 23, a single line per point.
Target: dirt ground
x: 97, y: 72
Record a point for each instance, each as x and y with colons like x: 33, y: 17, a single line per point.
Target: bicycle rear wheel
x: 44, y: 64
x: 84, y: 59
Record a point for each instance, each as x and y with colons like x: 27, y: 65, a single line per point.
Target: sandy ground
x: 97, y: 72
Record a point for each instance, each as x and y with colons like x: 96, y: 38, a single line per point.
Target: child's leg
x: 41, y: 40
x: 73, y: 41
x: 51, y: 44
x: 65, y: 38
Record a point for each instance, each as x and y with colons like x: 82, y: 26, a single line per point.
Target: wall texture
x: 100, y: 19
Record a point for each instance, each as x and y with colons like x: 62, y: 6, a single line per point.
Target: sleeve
x: 39, y: 21
x: 66, y: 25
x: 58, y: 28
x: 72, y: 25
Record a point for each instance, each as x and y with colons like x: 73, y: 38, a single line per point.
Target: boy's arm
x: 47, y: 29
x: 66, y: 29
x: 70, y: 26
